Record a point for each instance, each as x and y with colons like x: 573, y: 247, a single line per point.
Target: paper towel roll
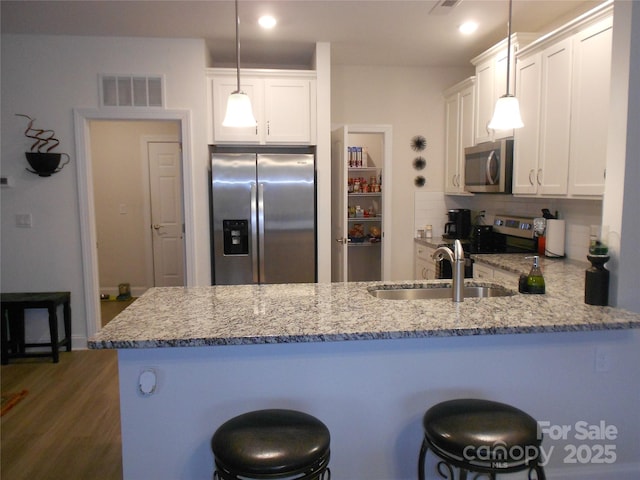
x: 554, y: 241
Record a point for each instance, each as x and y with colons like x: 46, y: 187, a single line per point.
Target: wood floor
x: 68, y: 426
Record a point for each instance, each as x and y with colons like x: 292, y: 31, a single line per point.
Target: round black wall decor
x: 418, y: 143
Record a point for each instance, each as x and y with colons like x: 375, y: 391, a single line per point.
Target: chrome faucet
x: 456, y: 257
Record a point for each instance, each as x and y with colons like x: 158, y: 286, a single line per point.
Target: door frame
x: 88, y: 235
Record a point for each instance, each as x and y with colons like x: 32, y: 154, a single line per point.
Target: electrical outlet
x: 24, y: 220
x: 603, y: 359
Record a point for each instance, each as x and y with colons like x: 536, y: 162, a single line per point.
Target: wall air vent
x: 131, y: 91
x: 444, y: 7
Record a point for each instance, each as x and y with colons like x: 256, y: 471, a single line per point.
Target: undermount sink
x: 435, y: 292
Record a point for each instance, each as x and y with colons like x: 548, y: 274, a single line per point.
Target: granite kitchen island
x: 369, y: 368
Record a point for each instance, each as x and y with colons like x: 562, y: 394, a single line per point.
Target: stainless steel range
x: 508, y: 234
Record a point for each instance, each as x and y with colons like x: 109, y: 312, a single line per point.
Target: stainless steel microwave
x: 488, y: 167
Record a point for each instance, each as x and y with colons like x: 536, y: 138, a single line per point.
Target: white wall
x: 622, y: 196
x: 372, y: 396
x: 409, y: 99
x: 46, y: 77
x: 122, y: 201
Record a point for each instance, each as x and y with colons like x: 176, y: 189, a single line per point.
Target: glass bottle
x: 535, y: 280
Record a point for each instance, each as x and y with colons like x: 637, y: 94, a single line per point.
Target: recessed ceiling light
x: 267, y: 21
x: 468, y: 28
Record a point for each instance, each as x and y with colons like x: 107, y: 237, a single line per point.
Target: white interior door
x: 167, y: 226
x: 339, y: 233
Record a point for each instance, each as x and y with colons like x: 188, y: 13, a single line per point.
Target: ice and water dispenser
x: 236, y: 237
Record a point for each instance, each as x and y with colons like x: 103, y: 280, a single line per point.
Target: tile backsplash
x: 431, y: 209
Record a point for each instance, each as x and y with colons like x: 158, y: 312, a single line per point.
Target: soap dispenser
x: 535, y: 280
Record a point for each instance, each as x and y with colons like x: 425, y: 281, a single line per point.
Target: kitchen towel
x: 554, y: 241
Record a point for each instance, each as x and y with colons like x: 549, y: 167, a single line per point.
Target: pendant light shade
x: 506, y: 115
x: 239, y: 111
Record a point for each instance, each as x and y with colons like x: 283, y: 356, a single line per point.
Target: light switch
x: 24, y: 220
x: 123, y: 209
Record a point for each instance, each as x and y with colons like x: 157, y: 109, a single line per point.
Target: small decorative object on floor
x: 124, y: 291
x: 10, y: 400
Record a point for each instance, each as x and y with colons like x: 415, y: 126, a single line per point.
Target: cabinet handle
x: 538, y: 176
x: 531, y: 176
x: 424, y: 273
x: 268, y: 127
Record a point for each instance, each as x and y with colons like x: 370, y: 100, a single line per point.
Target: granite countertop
x: 327, y: 312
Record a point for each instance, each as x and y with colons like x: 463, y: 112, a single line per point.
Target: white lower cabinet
x: 487, y: 273
x: 482, y: 272
x: 425, y: 265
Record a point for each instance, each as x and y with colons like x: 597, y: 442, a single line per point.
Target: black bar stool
x: 272, y: 444
x: 480, y: 436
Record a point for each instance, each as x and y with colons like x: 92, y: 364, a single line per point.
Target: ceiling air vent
x: 131, y: 91
x: 443, y: 7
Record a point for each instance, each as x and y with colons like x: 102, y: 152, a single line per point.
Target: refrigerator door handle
x: 261, y: 229
x: 254, y: 233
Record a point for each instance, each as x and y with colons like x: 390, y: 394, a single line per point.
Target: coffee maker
x: 459, y: 223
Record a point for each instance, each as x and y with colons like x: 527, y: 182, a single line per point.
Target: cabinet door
x: 590, y: 108
x: 452, y: 144
x: 485, y: 100
x: 500, y: 86
x: 525, y: 158
x: 467, y: 110
x: 508, y: 279
x: 553, y: 165
x: 287, y: 110
x: 482, y: 272
x: 223, y: 86
x: 459, y: 118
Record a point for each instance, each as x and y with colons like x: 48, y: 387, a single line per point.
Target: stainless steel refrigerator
x: 263, y: 225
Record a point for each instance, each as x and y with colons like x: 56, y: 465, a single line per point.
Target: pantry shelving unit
x: 360, y: 202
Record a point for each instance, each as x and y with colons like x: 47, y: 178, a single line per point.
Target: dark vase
x: 44, y: 164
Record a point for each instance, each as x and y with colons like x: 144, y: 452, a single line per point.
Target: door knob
x: 156, y: 226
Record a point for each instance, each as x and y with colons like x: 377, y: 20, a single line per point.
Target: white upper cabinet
x: 284, y: 105
x: 221, y: 87
x: 541, y: 156
x: 590, y: 108
x: 491, y: 84
x: 459, y: 117
x: 563, y: 88
x: 525, y: 145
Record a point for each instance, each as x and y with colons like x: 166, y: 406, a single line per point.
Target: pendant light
x: 239, y: 111
x: 507, y: 112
